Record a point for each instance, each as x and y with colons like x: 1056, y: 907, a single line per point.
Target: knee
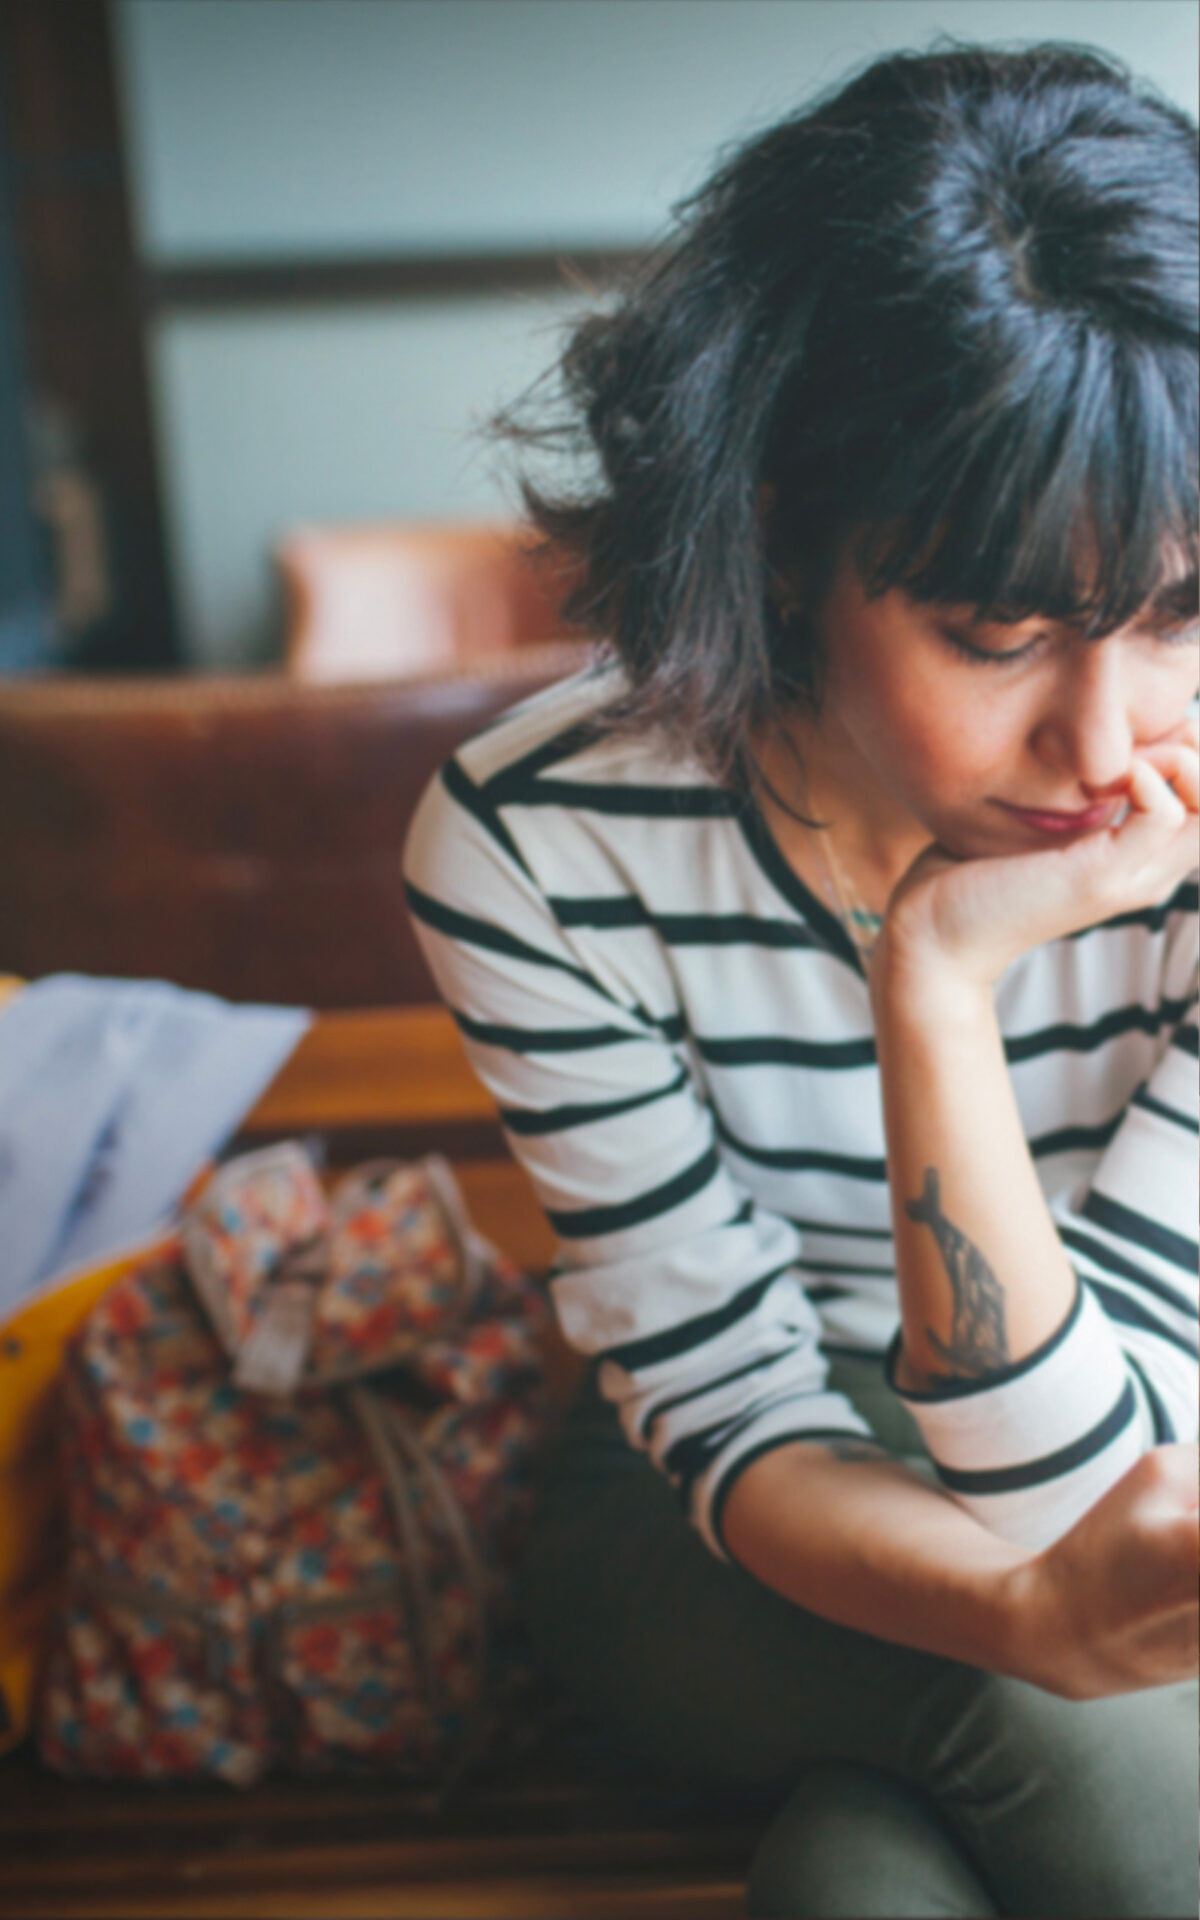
x: 1070, y: 1807
x: 852, y: 1841
x: 991, y: 1733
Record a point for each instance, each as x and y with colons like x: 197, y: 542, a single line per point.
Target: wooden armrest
x: 396, y: 1066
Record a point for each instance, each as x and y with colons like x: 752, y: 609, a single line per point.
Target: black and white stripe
x: 679, y: 1039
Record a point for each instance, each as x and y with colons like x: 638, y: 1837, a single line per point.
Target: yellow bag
x: 32, y: 1504
x: 32, y: 1496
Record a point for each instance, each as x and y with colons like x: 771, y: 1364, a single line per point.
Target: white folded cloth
x: 113, y: 1093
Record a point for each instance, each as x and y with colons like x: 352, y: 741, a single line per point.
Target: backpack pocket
x: 346, y: 1684
x: 147, y: 1685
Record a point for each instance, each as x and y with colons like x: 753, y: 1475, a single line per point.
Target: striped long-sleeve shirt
x: 679, y: 1037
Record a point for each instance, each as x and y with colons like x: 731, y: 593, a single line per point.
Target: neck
x: 818, y: 771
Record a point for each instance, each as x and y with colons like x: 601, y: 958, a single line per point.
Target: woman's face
x: 996, y: 739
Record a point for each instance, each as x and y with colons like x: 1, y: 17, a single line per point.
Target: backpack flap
x: 303, y: 1291
x: 255, y: 1244
x: 403, y: 1267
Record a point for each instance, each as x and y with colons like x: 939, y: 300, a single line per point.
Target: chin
x: 970, y: 840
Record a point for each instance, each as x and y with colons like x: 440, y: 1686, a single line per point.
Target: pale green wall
x: 352, y: 126
x: 325, y: 414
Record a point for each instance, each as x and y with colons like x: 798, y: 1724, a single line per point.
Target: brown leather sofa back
x: 237, y: 835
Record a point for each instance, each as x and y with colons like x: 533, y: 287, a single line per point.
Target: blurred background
x: 268, y: 265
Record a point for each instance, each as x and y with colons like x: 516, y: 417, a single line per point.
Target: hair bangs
x: 1081, y: 507
x: 944, y: 316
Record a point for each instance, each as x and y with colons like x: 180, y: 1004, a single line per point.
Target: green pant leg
x: 702, y: 1674
x: 852, y: 1842
x: 696, y: 1670
x: 1069, y: 1807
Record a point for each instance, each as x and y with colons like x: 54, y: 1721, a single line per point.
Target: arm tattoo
x: 978, y: 1341
x: 855, y: 1448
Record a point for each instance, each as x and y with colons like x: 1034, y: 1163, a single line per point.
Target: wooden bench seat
x: 558, y: 1831
x: 537, y: 1842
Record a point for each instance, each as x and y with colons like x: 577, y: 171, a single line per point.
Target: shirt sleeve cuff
x: 823, y: 1416
x: 1028, y: 1448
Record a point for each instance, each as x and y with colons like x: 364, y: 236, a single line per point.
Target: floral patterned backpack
x: 300, y: 1457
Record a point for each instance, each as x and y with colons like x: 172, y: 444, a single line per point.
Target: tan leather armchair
x: 389, y: 601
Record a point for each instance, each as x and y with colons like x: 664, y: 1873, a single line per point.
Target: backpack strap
x: 399, y: 1455
x: 473, y: 1251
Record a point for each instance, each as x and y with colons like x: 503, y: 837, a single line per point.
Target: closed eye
x: 988, y: 656
x: 1183, y: 633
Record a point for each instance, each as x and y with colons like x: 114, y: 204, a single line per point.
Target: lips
x: 1048, y: 820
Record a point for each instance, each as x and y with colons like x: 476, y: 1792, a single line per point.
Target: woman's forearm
x: 982, y: 1276
x: 855, y: 1536
x: 848, y: 1533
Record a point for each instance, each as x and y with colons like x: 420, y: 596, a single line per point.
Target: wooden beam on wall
x: 255, y: 282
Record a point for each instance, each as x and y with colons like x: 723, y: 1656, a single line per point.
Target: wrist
x: 1031, y: 1642
x: 988, y: 1601
x: 913, y: 979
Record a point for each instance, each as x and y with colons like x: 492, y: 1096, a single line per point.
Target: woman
x: 830, y: 949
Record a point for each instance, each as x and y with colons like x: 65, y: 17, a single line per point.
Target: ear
x: 783, y: 589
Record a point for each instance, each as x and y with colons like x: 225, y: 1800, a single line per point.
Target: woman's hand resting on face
x: 965, y: 921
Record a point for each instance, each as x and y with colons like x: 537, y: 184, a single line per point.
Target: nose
x: 1087, y: 731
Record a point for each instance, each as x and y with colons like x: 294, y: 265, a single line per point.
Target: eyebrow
x: 1176, y: 599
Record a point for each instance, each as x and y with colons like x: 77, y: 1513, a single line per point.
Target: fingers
x: 1152, y: 792
x: 1179, y: 765
x: 1166, y: 1499
x: 1188, y: 731
x: 1171, y: 1564
x: 1172, y: 1499
x: 1157, y: 843
x: 1178, y: 1472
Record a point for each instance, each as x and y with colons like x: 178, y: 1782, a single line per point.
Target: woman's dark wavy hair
x: 951, y: 309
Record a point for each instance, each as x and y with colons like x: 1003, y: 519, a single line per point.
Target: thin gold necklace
x: 859, y: 924
x: 856, y: 919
